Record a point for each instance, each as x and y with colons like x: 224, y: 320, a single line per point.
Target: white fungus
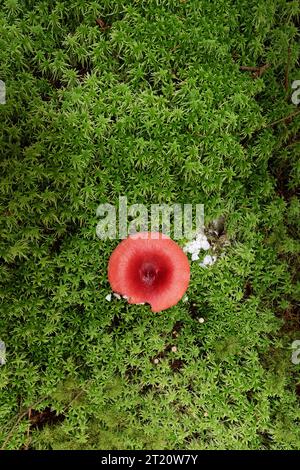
x: 208, y: 261
x: 195, y: 246
x: 108, y: 297
x: 117, y: 296
x: 205, y: 245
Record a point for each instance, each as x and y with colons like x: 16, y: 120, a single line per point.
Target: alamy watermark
x: 296, y: 352
x: 296, y: 94
x: 2, y: 353
x: 178, y: 221
x: 2, y: 92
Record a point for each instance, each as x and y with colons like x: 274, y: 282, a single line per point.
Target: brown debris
x: 102, y: 24
x: 256, y: 71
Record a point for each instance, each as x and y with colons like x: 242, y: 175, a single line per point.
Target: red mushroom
x: 149, y: 267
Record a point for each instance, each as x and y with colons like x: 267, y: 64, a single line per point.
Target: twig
x: 28, y: 430
x: 28, y: 412
x: 72, y: 401
x: 283, y: 119
x: 249, y: 69
x: 20, y: 417
x: 258, y: 71
x: 102, y: 24
x: 287, y: 69
x: 262, y: 69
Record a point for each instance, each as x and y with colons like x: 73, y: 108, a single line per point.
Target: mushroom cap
x: 149, y: 267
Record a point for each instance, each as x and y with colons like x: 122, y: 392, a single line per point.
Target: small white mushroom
x: 205, y: 245
x: 208, y: 261
x: 195, y: 246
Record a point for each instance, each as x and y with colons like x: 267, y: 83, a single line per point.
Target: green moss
x: 154, y: 107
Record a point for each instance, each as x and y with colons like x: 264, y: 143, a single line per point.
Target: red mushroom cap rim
x: 149, y: 267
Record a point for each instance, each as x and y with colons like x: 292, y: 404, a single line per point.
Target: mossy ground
x: 151, y: 103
